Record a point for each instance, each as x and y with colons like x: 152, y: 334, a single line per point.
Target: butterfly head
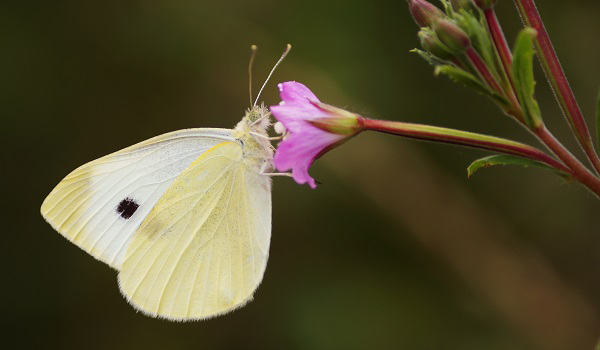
x: 258, y: 118
x: 252, y: 130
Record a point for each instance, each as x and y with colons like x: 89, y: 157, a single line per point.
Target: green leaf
x: 430, y: 58
x: 487, y: 162
x: 476, y: 27
x: 469, y: 80
x: 523, y: 76
x: 447, y: 7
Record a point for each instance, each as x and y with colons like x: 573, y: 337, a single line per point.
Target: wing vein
x: 207, y: 273
x: 148, y: 220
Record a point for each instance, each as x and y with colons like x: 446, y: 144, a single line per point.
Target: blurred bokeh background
x: 397, y: 249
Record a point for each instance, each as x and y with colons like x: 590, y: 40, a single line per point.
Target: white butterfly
x: 185, y: 217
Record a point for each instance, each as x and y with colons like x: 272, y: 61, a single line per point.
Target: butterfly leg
x: 264, y: 168
x: 261, y: 118
x: 266, y: 137
x: 277, y: 174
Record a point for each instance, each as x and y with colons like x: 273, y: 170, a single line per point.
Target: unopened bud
x: 485, y: 4
x: 431, y: 43
x: 451, y: 35
x: 424, y: 13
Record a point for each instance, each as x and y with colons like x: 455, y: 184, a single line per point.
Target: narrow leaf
x: 431, y: 59
x: 487, y: 162
x: 447, y: 7
x: 480, y: 38
x: 469, y: 80
x: 523, y: 76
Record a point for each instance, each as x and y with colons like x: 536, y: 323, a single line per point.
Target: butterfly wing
x: 203, y: 249
x: 101, y: 204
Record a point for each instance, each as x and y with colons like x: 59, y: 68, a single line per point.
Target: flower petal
x: 293, y: 92
x: 294, y: 116
x: 300, y: 150
x: 301, y: 113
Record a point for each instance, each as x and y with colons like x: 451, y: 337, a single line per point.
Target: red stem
x: 513, y: 148
x: 483, y: 70
x: 500, y: 42
x: 558, y: 80
x: 579, y: 171
x: 473, y: 140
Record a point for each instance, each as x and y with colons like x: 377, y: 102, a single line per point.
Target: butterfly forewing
x: 203, y: 248
x: 101, y: 204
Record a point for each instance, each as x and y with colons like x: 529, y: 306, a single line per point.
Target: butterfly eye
x: 253, y: 116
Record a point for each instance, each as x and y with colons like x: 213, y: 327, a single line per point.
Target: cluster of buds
x: 457, y: 39
x: 439, y: 33
x: 466, y: 43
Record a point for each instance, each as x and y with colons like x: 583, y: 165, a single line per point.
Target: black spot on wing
x: 127, y: 208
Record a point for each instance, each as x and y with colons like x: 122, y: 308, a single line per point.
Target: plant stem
x: 579, y: 171
x: 463, y: 138
x: 483, y: 70
x: 558, y: 80
x: 500, y: 43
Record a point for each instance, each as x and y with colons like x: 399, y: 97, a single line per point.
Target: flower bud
x: 485, y: 4
x: 424, y: 13
x: 451, y: 35
x: 431, y: 43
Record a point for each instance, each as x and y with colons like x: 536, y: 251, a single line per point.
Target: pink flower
x: 314, y: 128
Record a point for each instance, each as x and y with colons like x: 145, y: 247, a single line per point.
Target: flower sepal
x: 339, y: 121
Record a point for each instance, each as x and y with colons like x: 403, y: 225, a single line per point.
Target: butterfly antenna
x: 285, y: 52
x: 252, y: 55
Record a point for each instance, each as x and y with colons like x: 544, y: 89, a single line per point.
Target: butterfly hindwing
x: 203, y: 248
x: 101, y: 204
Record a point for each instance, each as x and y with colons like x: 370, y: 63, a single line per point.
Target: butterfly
x: 184, y: 217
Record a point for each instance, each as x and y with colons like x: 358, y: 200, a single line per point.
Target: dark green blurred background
x: 396, y: 250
